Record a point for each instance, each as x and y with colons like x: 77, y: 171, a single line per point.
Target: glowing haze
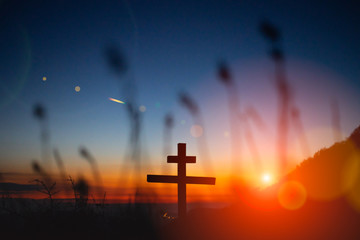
x: 53, y: 53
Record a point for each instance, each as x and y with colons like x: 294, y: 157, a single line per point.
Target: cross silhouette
x: 181, y: 179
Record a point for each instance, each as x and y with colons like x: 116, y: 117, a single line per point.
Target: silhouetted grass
x: 190, y: 104
x: 87, y: 217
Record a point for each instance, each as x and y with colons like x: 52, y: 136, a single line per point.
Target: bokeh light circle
x: 292, y: 195
x: 142, y: 108
x: 196, y: 131
x: 352, y: 181
x: 353, y: 196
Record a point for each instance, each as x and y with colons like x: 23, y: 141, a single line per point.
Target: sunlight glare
x: 266, y: 178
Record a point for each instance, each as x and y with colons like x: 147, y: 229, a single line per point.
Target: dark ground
x: 27, y: 219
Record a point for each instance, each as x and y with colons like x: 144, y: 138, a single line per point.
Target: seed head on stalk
x: 224, y: 73
x: 39, y: 113
x: 116, y: 60
x: 225, y: 77
x: 128, y: 90
x: 167, y: 137
x: 194, y: 110
x: 94, y: 167
x: 189, y: 103
x: 269, y: 31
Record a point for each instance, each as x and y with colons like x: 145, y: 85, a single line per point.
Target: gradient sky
x: 170, y: 46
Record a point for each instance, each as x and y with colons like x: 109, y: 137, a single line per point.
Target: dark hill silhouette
x: 355, y: 137
x: 332, y: 172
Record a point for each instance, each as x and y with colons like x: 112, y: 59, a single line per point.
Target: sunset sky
x: 170, y: 47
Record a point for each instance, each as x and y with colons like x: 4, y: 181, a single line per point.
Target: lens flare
x: 292, y: 195
x: 196, y: 131
x: 354, y: 197
x: 142, y: 108
x: 115, y: 100
x: 352, y: 174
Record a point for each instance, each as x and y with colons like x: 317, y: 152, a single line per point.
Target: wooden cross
x: 181, y: 179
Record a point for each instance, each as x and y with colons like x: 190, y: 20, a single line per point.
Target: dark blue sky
x: 170, y: 46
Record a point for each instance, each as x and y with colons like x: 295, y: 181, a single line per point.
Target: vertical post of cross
x: 181, y: 159
x: 182, y: 180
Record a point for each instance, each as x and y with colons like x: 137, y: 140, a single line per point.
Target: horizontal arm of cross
x: 162, y: 178
x: 175, y: 179
x: 175, y: 159
x: 200, y: 180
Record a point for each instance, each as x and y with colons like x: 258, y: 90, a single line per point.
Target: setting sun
x: 266, y: 178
